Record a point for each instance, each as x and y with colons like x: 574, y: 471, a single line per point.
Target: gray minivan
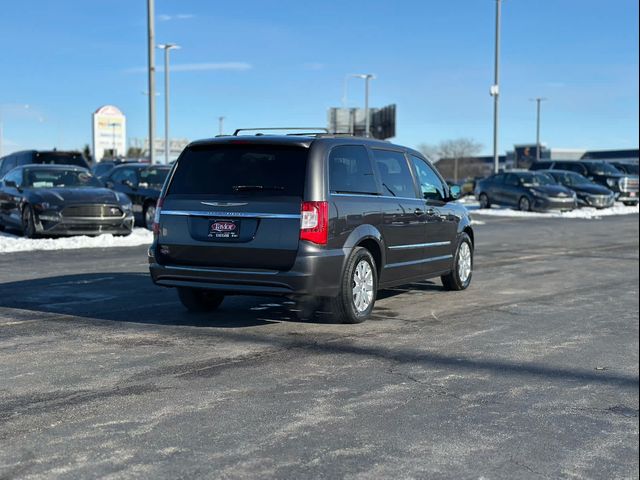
x: 327, y: 218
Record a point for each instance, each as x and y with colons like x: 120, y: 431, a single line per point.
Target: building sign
x: 109, y: 133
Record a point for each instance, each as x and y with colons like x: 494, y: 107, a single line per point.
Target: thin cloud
x: 199, y: 67
x: 314, y: 66
x: 163, y: 17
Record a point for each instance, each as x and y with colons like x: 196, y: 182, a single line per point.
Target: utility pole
x: 538, y: 100
x: 221, y: 125
x: 166, y: 47
x: 495, y: 90
x: 366, y: 77
x: 151, y: 71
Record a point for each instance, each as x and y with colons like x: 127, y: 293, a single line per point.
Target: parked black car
x: 627, y: 167
x: 41, y: 157
x: 142, y: 183
x: 57, y: 200
x: 623, y: 185
x: 317, y: 217
x: 590, y: 194
x: 526, y: 191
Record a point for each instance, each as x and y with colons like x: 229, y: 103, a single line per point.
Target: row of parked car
x: 55, y: 193
x: 560, y: 185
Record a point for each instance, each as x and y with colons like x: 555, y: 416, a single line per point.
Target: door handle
x: 431, y: 211
x: 418, y: 211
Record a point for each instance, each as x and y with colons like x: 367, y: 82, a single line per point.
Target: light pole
x: 538, y: 100
x: 366, y: 77
x: 221, y: 125
x: 151, y: 71
x: 166, y: 47
x: 113, y: 126
x: 495, y: 90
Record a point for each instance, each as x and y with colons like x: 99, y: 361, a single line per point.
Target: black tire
x: 630, y: 204
x: 1, y: 227
x: 484, y: 201
x: 28, y: 222
x: 453, y: 281
x: 197, y: 300
x: 148, y: 212
x: 342, y: 307
x: 524, y: 204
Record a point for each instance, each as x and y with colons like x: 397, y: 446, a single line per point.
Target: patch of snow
x: 11, y: 243
x: 582, y: 213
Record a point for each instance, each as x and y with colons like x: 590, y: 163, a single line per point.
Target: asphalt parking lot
x: 531, y: 373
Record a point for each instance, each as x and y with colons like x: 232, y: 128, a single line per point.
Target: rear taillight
x: 314, y: 222
x: 156, y: 218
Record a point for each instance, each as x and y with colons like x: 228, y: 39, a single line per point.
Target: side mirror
x: 455, y: 192
x: 11, y: 183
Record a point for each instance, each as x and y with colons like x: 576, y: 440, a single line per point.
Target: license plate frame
x: 223, y: 229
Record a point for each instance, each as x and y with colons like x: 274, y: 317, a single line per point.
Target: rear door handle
x: 431, y: 211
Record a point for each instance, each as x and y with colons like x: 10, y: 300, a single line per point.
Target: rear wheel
x: 460, y: 277
x: 357, y: 293
x: 198, y: 300
x: 148, y: 215
x: 484, y: 201
x: 28, y: 222
x: 524, y: 204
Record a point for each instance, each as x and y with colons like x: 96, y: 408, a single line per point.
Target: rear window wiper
x: 254, y: 188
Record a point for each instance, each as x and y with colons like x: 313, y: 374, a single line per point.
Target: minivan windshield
x: 247, y: 169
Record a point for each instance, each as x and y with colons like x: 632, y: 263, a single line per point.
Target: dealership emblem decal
x: 223, y: 227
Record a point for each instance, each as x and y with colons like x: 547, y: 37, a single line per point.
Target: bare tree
x: 432, y: 152
x: 458, y: 149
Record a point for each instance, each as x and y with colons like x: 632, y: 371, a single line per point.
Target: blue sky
x: 261, y: 63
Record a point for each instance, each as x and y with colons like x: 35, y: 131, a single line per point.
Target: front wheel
x: 460, y: 277
x: 149, y: 215
x: 198, y: 300
x: 357, y: 293
x: 524, y: 204
x: 484, y: 201
x: 630, y: 204
x: 28, y: 222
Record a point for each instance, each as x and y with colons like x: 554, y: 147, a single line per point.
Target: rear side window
x: 240, y: 170
x: 394, y: 174
x: 350, y: 170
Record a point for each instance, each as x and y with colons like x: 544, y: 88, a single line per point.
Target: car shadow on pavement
x: 132, y: 298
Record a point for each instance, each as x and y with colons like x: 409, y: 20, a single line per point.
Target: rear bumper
x: 631, y: 197
x: 315, y: 272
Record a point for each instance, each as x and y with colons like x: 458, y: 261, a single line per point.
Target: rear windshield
x: 240, y: 170
x: 61, y: 158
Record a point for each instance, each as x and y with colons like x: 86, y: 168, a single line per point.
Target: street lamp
x: 166, y: 47
x: 495, y: 90
x: 366, y: 77
x: 538, y: 100
x: 151, y: 73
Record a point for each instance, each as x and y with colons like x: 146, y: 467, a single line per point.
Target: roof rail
x: 305, y: 129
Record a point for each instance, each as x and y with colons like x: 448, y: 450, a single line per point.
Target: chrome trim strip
x: 415, y: 262
x: 372, y: 195
x: 197, y: 213
x: 419, y: 245
x: 219, y: 270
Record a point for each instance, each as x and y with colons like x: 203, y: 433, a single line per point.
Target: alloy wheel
x: 464, y: 262
x: 362, y: 286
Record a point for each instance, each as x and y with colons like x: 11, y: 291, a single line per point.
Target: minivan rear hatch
x: 234, y: 206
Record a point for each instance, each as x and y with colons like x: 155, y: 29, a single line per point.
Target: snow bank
x: 583, y: 213
x: 12, y: 243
